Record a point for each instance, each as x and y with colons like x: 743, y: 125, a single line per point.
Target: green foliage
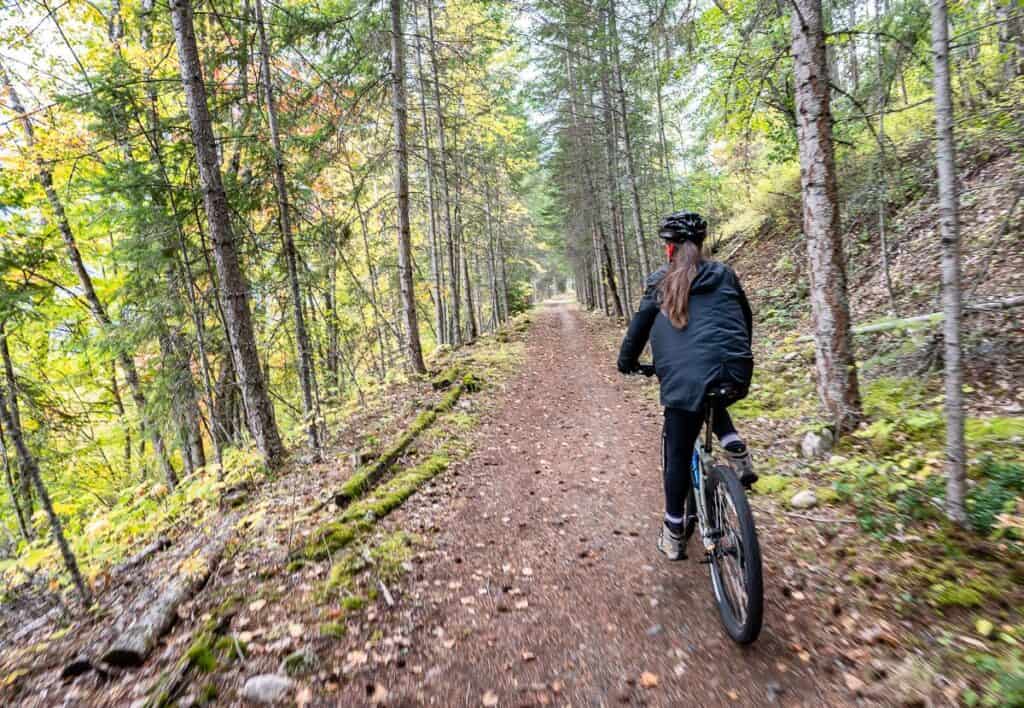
x: 1005, y: 680
x: 999, y: 489
x: 334, y: 630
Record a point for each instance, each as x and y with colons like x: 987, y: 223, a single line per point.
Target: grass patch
x: 334, y: 630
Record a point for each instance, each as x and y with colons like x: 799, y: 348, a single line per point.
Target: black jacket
x: 713, y: 347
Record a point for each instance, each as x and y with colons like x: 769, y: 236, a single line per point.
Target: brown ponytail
x: 675, y: 286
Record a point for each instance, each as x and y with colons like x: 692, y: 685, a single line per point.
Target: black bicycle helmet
x: 683, y: 226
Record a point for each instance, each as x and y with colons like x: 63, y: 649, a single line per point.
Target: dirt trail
x: 544, y: 585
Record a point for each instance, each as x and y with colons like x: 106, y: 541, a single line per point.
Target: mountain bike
x: 718, y: 509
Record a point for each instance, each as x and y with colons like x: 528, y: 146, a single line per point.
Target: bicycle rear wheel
x: 736, y: 575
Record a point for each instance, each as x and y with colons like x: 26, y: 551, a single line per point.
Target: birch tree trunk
x: 303, y: 352
x: 414, y: 352
x: 949, y: 221
x: 233, y: 286
x: 834, y: 363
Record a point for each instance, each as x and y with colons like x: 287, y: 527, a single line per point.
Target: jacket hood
x: 709, y: 276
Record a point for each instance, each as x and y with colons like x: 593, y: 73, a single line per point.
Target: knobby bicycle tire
x: 743, y: 630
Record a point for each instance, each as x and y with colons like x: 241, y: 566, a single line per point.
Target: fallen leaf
x: 490, y: 699
x: 648, y: 680
x: 295, y: 630
x: 257, y: 605
x: 527, y: 571
x: 379, y: 695
x: 304, y: 697
x: 853, y: 683
x: 984, y: 627
x: 529, y: 656
x: 522, y: 604
x: 733, y: 696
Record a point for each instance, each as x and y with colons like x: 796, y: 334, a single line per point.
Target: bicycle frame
x: 702, y: 460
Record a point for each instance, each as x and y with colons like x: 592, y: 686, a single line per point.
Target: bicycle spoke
x: 729, y: 554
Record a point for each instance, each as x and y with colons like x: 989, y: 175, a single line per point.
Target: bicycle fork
x: 706, y: 532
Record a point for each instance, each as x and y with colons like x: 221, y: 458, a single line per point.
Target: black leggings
x: 677, y: 440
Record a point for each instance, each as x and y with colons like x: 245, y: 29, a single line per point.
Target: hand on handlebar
x: 643, y: 369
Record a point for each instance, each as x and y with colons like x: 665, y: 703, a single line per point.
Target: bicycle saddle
x: 722, y: 392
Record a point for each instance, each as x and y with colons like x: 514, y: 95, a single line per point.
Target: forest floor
x: 523, y: 574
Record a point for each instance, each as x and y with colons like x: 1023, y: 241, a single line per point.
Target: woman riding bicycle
x: 700, y: 327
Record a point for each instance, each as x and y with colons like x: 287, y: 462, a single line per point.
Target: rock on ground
x: 816, y: 444
x: 267, y: 688
x: 804, y: 500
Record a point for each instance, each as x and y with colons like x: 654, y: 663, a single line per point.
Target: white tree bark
x: 949, y: 222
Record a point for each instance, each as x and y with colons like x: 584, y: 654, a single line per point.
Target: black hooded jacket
x: 713, y: 347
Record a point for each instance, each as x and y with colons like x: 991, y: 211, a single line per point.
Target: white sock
x: 674, y: 520
x: 729, y: 438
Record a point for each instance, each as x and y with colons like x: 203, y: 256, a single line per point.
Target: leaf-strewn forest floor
x: 508, y: 557
x: 309, y: 314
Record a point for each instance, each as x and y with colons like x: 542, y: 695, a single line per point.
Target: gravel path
x: 544, y: 586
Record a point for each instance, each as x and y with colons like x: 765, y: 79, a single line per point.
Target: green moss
x: 827, y: 495
x: 353, y: 603
x: 994, y: 430
x: 449, y: 401
x: 472, y: 383
x: 299, y: 663
x: 344, y: 570
x: 230, y: 648
x: 390, y: 554
x: 208, y: 694
x: 329, y: 538
x: 201, y: 656
x: 334, y: 630
x: 397, y: 490
x: 949, y: 594
x: 772, y: 484
x: 446, y: 378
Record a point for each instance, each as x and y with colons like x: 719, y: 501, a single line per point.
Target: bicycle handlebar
x: 645, y: 369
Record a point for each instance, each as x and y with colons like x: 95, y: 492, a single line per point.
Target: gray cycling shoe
x: 739, y: 460
x: 671, y: 543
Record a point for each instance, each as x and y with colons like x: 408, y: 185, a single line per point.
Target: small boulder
x: 267, y: 688
x: 804, y: 500
x: 816, y: 444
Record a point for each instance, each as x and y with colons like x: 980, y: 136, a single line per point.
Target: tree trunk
x: 303, y: 352
x: 233, y: 287
x: 473, y: 331
x: 442, y: 151
x: 662, y: 142
x: 949, y: 220
x: 24, y: 522
x: 834, y: 362
x: 435, y: 266
x: 29, y: 467
x: 614, y: 201
x: 638, y: 227
x: 414, y: 352
x: 96, y: 307
x: 24, y: 483
x: 883, y: 176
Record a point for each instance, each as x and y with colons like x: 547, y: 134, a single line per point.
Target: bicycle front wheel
x: 736, y: 561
